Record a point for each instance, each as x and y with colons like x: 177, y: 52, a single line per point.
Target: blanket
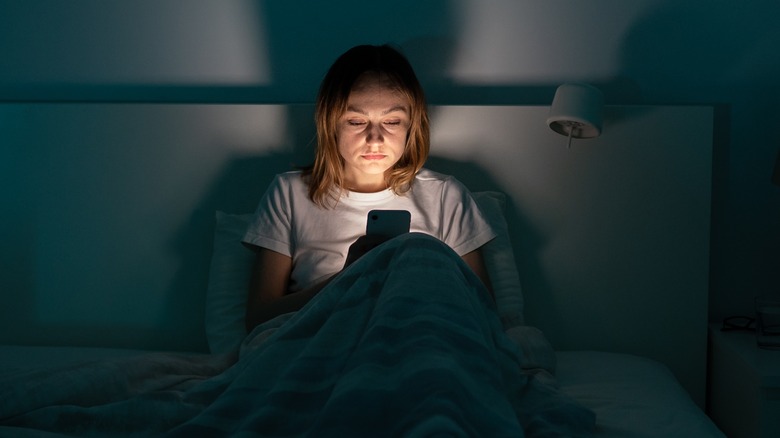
x: 406, y: 342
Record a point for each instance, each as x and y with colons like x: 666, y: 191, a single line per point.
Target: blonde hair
x: 326, y: 176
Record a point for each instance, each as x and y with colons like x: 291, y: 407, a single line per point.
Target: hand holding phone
x: 381, y: 225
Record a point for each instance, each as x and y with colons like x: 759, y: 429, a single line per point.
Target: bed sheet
x: 631, y: 396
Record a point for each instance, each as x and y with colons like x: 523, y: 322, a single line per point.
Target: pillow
x: 500, y: 260
x: 231, y: 264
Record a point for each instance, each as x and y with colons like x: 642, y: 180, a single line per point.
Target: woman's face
x: 372, y: 133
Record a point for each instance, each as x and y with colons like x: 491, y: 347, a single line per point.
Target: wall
x: 109, y: 213
x: 466, y: 52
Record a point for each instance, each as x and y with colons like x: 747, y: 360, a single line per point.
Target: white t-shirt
x: 318, y: 239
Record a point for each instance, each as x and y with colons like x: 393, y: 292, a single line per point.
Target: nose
x: 374, y: 134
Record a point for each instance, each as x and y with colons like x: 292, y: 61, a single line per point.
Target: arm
x: 267, y: 296
x: 477, y: 264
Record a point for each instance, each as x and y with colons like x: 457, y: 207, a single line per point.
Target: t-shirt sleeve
x: 464, y: 227
x: 271, y: 225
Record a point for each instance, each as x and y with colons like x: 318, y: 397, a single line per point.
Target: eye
x: 355, y: 122
x: 393, y: 122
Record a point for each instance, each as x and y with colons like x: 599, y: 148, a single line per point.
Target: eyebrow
x: 385, y: 112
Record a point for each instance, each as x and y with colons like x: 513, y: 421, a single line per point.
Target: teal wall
x: 711, y: 52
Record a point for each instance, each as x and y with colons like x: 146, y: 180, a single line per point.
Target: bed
x: 644, y: 383
x: 630, y: 395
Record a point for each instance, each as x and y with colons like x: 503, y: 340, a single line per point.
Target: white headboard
x: 109, y: 210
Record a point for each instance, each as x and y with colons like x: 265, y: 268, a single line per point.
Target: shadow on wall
x: 701, y: 51
x: 297, y: 66
x: 722, y: 55
x: 237, y: 189
x: 17, y: 230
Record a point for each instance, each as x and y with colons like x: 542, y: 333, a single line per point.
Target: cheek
x: 403, y: 140
x: 343, y: 140
x: 341, y: 148
x: 345, y: 146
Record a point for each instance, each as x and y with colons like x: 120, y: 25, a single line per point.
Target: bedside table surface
x: 765, y: 362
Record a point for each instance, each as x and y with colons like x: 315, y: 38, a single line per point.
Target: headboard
x: 109, y: 213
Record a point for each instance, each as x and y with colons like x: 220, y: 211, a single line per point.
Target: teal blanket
x: 406, y: 342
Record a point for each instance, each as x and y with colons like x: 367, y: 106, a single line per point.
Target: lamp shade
x: 576, y: 111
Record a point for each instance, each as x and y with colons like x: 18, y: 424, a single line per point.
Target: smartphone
x: 388, y: 223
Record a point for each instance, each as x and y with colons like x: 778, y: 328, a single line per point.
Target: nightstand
x: 743, y: 396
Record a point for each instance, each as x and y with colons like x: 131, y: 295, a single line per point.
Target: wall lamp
x: 576, y: 111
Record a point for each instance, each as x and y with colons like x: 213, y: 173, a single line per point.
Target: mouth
x: 373, y: 157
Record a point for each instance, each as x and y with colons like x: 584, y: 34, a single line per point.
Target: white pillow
x: 231, y: 264
x: 500, y: 260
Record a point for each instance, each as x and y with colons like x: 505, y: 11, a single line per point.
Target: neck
x: 366, y: 188
x: 366, y: 185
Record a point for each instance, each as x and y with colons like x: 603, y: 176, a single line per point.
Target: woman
x: 372, y: 142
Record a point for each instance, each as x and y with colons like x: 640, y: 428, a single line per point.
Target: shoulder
x: 289, y: 182
x: 293, y: 177
x: 443, y: 182
x: 286, y: 189
x: 427, y: 176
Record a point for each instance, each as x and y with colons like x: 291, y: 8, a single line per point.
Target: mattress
x: 631, y: 396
